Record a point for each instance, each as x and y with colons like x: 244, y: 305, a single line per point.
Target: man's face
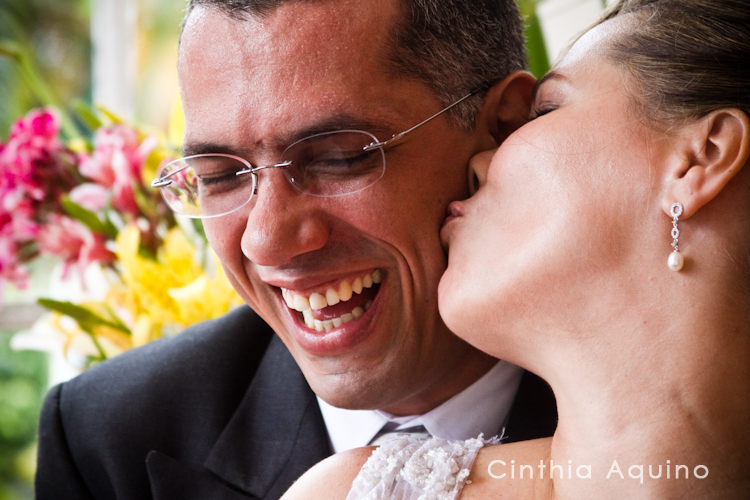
x: 252, y: 87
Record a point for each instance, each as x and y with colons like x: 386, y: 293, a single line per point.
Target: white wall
x: 562, y: 20
x: 114, y: 38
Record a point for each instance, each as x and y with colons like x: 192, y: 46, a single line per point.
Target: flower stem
x: 43, y: 93
x: 98, y: 345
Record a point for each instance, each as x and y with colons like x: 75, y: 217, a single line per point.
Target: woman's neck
x: 654, y: 411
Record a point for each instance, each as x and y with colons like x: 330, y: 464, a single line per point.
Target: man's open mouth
x: 325, y: 310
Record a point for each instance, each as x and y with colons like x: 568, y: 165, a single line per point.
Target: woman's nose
x: 478, y: 166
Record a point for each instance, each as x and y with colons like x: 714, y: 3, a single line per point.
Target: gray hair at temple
x: 453, y: 46
x: 688, y: 57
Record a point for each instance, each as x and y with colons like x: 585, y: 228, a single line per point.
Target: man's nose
x: 478, y: 167
x: 282, y: 223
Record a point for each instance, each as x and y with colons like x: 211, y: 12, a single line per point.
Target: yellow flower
x: 176, y: 129
x: 204, y: 298
x: 172, y: 290
x: 78, y: 145
x: 144, y: 330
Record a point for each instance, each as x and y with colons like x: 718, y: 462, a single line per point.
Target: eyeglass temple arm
x: 161, y: 182
x: 400, y: 135
x: 252, y: 169
x: 166, y: 181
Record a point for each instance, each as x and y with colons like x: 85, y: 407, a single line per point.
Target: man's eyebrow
x: 197, y: 148
x: 329, y: 124
x: 336, y: 122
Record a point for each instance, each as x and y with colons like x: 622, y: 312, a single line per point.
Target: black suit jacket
x: 219, y: 412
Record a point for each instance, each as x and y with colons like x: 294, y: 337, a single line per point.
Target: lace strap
x: 417, y: 468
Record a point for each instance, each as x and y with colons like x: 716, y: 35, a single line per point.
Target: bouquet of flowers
x: 87, y: 204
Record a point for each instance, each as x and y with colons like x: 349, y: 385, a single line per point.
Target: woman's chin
x: 452, y: 302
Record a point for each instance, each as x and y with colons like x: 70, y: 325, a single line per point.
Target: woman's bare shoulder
x: 496, y: 471
x: 331, y: 478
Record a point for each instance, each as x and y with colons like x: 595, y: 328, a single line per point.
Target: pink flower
x: 11, y: 268
x: 39, y: 132
x: 117, y: 162
x: 34, y: 163
x: 91, y: 196
x: 41, y: 125
x: 18, y: 231
x: 19, y: 224
x: 73, y: 242
x: 34, y: 139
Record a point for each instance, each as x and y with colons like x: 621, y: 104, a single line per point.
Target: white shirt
x: 482, y: 407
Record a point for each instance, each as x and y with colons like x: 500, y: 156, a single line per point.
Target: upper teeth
x: 332, y: 295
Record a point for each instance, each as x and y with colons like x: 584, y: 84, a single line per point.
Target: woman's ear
x: 717, y: 147
x: 507, y: 105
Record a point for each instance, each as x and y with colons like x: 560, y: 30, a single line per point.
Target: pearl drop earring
x: 675, y: 260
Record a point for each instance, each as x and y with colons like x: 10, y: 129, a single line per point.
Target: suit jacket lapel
x: 274, y: 436
x: 534, y: 411
x: 171, y: 479
x: 276, y: 433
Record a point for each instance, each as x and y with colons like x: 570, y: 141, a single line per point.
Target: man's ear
x: 507, y: 105
x: 717, y: 147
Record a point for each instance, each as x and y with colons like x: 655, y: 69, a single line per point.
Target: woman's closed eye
x: 550, y: 93
x: 541, y: 110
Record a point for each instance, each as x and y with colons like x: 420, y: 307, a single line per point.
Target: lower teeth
x: 330, y: 324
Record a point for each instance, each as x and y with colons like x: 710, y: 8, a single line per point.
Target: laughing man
x: 324, y: 140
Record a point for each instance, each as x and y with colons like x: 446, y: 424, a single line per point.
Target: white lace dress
x: 415, y: 467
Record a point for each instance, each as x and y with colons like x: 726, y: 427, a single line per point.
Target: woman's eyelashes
x: 541, y: 110
x: 547, y: 97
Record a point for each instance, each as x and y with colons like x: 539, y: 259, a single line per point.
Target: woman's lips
x: 455, y: 211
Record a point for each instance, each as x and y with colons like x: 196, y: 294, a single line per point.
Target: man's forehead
x: 296, y: 54
x: 336, y: 25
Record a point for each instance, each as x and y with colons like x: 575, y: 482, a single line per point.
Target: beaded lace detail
x: 410, y: 467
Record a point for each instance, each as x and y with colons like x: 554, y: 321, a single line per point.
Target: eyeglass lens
x: 327, y: 164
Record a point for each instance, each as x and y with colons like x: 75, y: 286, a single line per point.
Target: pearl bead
x: 675, y: 261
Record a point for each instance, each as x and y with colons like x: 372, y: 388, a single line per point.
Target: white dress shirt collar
x: 482, y: 407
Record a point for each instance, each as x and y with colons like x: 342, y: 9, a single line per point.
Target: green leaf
x: 86, y: 319
x: 535, y: 47
x: 109, y: 114
x: 10, y: 49
x: 198, y: 226
x: 88, y: 218
x: 116, y: 320
x: 145, y: 203
x: 22, y: 56
x: 87, y: 115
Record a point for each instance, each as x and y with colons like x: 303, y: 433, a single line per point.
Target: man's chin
x: 349, y: 396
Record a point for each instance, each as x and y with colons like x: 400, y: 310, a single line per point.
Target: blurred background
x: 121, y: 54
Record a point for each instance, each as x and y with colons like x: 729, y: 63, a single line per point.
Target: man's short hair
x: 452, y: 46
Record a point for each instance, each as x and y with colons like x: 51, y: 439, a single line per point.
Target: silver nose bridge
x: 254, y: 171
